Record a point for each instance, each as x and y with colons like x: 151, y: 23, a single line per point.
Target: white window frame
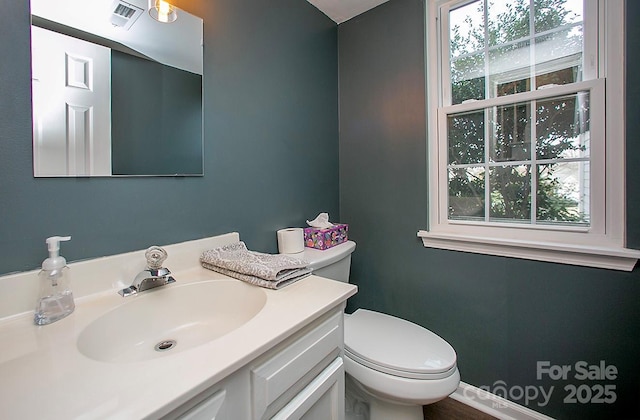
x: 600, y: 245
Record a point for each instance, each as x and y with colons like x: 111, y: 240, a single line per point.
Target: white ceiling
x: 343, y: 10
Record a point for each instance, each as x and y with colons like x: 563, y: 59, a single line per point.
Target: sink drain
x: 165, y: 345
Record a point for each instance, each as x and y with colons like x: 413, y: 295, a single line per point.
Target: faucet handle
x: 155, y: 257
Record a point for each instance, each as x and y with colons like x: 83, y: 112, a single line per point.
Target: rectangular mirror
x: 115, y: 92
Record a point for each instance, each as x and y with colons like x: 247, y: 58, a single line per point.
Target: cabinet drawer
x: 294, y: 367
x: 322, y: 399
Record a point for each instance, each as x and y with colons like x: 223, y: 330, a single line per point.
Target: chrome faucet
x: 154, y: 276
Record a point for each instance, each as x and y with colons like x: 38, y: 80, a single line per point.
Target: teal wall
x: 501, y: 315
x: 156, y: 118
x: 270, y: 140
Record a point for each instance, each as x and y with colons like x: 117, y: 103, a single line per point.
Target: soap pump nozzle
x: 56, y: 300
x: 55, y: 261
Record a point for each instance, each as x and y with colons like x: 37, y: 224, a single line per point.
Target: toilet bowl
x: 393, y: 367
x: 398, y: 366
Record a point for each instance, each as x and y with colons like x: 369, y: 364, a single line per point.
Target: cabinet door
x: 322, y: 399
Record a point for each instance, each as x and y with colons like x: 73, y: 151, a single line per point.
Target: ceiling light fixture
x: 162, y: 11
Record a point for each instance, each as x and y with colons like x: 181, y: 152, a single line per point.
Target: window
x: 526, y: 130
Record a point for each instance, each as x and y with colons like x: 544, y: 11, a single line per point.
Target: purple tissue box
x: 325, y: 238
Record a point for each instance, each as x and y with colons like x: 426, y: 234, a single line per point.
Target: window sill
x: 609, y: 257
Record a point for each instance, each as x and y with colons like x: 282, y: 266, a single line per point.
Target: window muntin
x: 514, y: 42
x: 527, y: 160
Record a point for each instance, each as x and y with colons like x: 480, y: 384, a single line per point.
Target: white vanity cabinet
x: 300, y: 378
x: 283, y: 361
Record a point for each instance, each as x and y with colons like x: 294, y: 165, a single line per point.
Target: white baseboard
x: 494, y: 405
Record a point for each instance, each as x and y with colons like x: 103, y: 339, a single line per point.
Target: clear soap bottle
x: 55, y: 300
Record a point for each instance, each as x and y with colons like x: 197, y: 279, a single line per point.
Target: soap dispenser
x: 55, y: 300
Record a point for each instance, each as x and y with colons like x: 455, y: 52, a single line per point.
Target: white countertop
x: 43, y: 375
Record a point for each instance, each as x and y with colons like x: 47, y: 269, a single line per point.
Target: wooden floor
x: 450, y: 409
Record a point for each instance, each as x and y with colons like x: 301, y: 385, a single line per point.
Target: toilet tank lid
x: 396, y: 344
x: 321, y: 258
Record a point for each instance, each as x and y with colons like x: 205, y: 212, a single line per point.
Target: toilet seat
x: 397, y: 347
x: 399, y: 390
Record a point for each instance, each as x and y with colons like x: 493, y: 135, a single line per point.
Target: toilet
x: 393, y: 366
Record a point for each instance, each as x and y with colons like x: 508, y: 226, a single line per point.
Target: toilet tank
x: 333, y: 263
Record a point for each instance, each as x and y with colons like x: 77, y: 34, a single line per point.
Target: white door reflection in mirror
x: 71, y: 84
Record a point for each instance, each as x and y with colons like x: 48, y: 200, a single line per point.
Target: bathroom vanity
x: 256, y: 354
x: 303, y: 377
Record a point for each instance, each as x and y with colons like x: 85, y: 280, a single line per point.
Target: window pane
x: 511, y: 133
x: 550, y: 14
x: 510, y: 193
x: 466, y: 137
x: 466, y: 28
x: 563, y: 127
x: 509, y: 68
x: 466, y: 193
x: 555, y: 52
x: 508, y: 20
x: 563, y: 193
x: 466, y: 35
x: 560, y: 77
x: 467, y: 78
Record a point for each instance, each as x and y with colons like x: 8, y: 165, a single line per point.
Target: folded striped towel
x: 264, y: 270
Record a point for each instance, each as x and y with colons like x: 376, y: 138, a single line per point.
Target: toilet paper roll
x: 290, y: 241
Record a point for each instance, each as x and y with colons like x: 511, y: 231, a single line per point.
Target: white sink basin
x: 147, y: 325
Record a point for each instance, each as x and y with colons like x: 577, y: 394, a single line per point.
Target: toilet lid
x: 396, y: 346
